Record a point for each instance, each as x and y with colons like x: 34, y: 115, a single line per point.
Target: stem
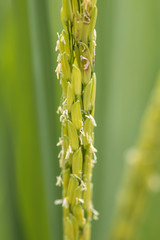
x: 75, y: 69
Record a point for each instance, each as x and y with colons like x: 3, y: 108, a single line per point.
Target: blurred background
x: 127, y: 64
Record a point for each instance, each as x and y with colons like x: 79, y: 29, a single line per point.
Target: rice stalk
x: 76, y: 60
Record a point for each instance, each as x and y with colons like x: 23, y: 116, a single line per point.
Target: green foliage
x: 127, y: 64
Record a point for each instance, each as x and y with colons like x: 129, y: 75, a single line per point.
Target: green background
x: 127, y: 64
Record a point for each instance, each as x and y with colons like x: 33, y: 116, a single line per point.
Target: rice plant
x: 124, y: 183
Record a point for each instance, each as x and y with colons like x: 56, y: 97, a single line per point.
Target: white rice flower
x: 92, y: 119
x: 83, y: 185
x: 65, y: 202
x: 63, y: 40
x: 79, y: 200
x: 60, y: 154
x: 95, y: 214
x: 57, y: 46
x: 59, y: 58
x: 60, y: 142
x: 64, y: 102
x: 64, y: 116
x: 59, y: 110
x: 59, y: 181
x: 92, y: 148
x: 58, y: 201
x: 58, y: 70
x: 69, y: 152
x: 94, y: 160
x: 86, y: 66
x: 81, y: 139
x: 94, y: 35
x: 82, y: 134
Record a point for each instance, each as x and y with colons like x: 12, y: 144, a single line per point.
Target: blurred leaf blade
x: 34, y: 186
x: 30, y: 188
